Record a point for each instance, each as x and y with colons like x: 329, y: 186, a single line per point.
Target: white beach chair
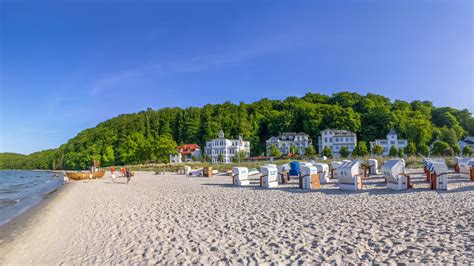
x: 349, y: 177
x: 309, y: 178
x: 283, y: 173
x: 463, y: 164
x: 394, y: 173
x: 240, y: 176
x: 373, y: 167
x: 187, y: 170
x: 439, y: 175
x: 334, y: 166
x: 323, y: 172
x: 269, y: 178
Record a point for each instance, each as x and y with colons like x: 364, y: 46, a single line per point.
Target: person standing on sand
x: 112, y: 169
x: 129, y: 175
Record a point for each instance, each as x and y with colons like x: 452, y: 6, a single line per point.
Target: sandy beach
x: 177, y: 219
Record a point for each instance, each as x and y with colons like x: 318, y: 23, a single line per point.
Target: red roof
x: 187, y: 148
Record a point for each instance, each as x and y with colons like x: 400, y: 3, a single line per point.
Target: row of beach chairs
x: 350, y: 174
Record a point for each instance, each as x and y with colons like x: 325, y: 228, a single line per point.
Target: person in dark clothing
x: 129, y: 175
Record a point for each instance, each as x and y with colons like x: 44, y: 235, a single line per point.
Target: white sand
x: 176, y: 219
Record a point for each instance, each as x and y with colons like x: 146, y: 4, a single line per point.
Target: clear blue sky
x: 68, y: 66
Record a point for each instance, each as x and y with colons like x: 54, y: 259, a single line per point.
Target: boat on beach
x: 85, y: 174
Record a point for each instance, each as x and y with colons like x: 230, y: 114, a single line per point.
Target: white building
x: 283, y: 142
x: 467, y: 141
x: 336, y: 139
x: 227, y: 147
x: 392, y: 140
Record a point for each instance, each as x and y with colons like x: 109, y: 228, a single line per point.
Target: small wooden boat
x: 85, y: 175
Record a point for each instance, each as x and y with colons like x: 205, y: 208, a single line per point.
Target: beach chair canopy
x: 393, y: 168
x: 240, y: 171
x: 439, y: 168
x: 335, y: 164
x: 322, y: 167
x: 348, y: 169
x: 373, y: 162
x: 269, y: 170
x: 270, y: 164
x: 283, y: 168
x: 308, y: 170
x: 295, y: 165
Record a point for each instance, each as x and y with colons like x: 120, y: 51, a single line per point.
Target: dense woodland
x: 152, y: 134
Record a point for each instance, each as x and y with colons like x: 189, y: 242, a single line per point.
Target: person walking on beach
x: 112, y: 169
x: 129, y: 175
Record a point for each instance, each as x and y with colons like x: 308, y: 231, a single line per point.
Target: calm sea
x: 20, y: 190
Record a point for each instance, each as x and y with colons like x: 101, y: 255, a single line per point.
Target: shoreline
x: 22, y: 221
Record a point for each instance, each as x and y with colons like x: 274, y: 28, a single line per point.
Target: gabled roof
x: 187, y: 148
x: 392, y: 132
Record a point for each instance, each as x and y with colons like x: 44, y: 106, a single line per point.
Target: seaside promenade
x: 177, y: 219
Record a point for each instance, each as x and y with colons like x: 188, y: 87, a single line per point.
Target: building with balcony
x: 392, y: 140
x: 335, y: 139
x: 284, y: 141
x: 227, y: 147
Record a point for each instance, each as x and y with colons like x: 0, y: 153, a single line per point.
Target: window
x: 325, y: 139
x: 392, y: 142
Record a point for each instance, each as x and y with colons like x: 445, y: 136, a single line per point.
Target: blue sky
x: 68, y: 66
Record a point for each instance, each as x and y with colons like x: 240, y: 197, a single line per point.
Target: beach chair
x: 294, y: 170
x: 394, y: 174
x: 187, y: 170
x: 323, y: 172
x: 240, y: 176
x: 463, y: 165
x: 439, y: 175
x: 471, y: 170
x: 269, y: 177
x: 309, y: 178
x: 373, y: 167
x: 334, y: 166
x: 283, y: 173
x: 348, y: 175
x: 456, y: 164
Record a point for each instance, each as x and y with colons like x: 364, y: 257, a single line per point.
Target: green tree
x: 344, y: 152
x: 467, y: 151
x: 423, y: 149
x: 220, y: 158
x: 310, y: 151
x: 393, y: 152
x: 377, y: 150
x: 361, y: 149
x: 410, y: 149
x: 456, y: 149
x: 441, y: 148
x: 327, y: 152
x: 240, y: 156
x: 274, y: 152
x: 294, y: 149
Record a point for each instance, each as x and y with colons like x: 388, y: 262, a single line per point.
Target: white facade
x: 392, y: 140
x: 283, y: 142
x: 227, y: 147
x: 336, y: 139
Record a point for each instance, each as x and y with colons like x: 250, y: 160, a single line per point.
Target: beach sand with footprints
x: 176, y: 219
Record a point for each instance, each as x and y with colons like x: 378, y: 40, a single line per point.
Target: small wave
x: 8, y: 202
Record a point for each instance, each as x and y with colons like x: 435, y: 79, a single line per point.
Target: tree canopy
x: 150, y: 135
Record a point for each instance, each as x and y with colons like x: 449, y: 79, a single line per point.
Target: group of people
x: 124, y: 171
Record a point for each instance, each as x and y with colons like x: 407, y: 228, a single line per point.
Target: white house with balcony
x: 336, y: 139
x: 227, y: 147
x: 284, y: 142
x: 392, y: 140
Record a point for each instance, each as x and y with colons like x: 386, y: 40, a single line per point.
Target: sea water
x: 20, y: 190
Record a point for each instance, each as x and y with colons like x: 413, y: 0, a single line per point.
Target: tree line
x: 151, y: 135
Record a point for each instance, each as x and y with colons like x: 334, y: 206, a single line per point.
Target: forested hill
x: 150, y: 135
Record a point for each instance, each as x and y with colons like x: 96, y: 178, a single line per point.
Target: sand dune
x: 177, y: 219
